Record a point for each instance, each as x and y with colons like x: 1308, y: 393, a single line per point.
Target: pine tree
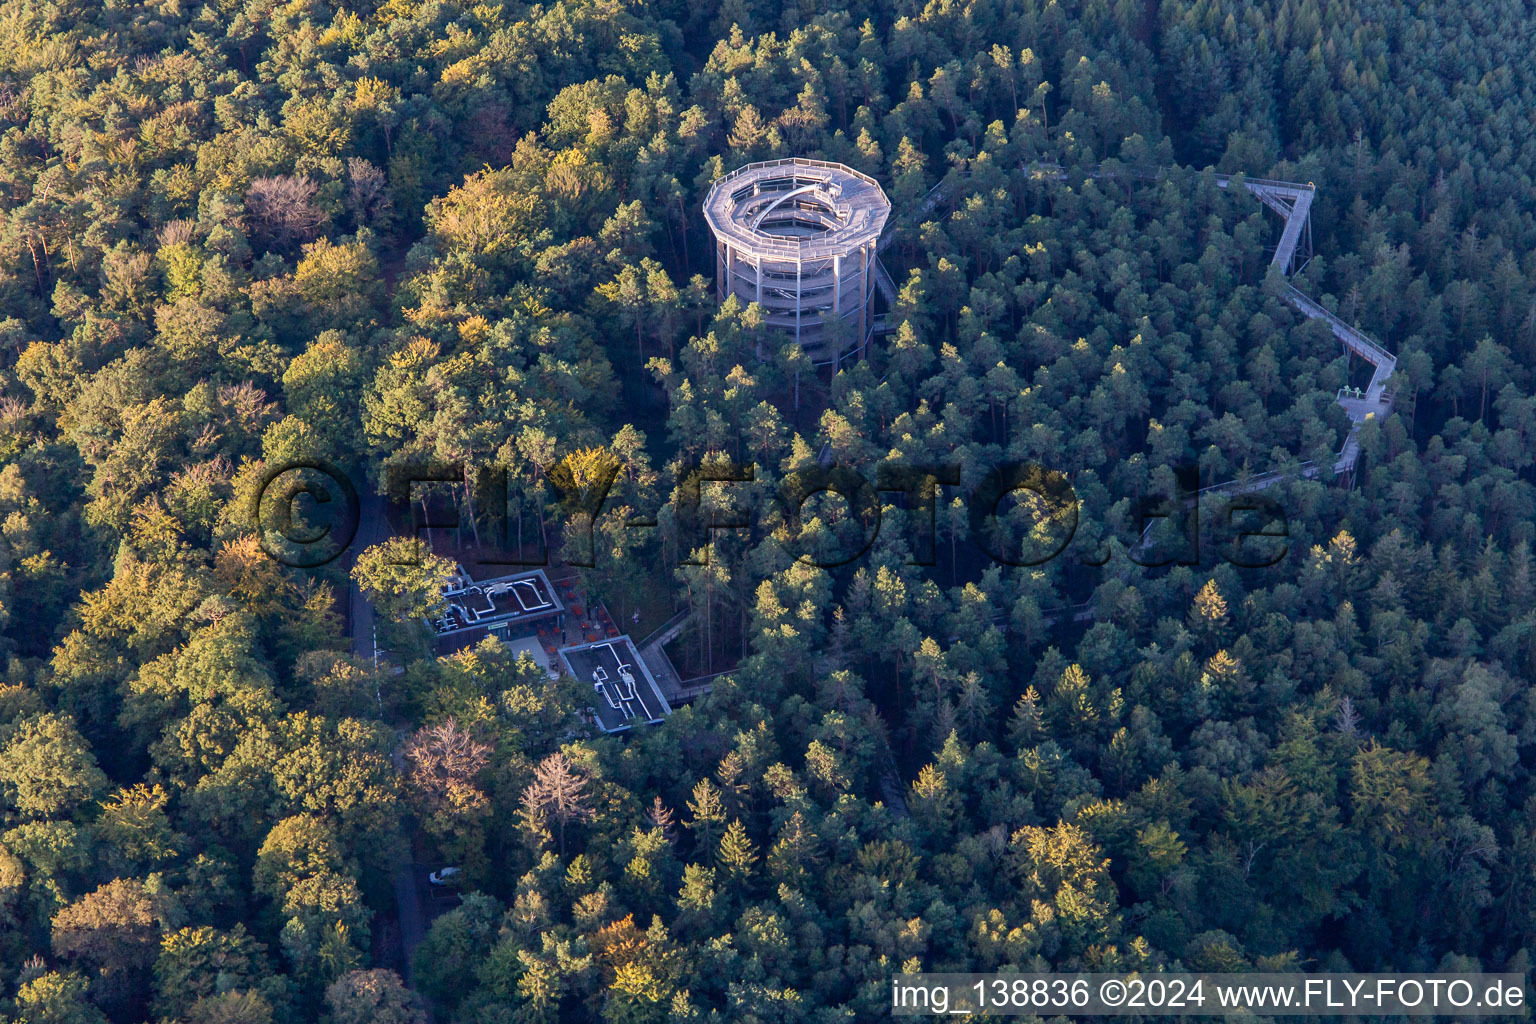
x: 733, y: 787
x: 1026, y: 724
x: 1159, y: 850
x: 1071, y: 703
x: 796, y: 853
x: 1225, y: 679
x: 660, y: 816
x: 539, y: 987
x: 737, y: 853
x: 708, y: 814
x: 825, y: 769
x: 698, y: 891
x: 1208, y: 615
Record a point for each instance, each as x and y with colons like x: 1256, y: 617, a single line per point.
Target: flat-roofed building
x: 506, y: 607
x: 623, y: 691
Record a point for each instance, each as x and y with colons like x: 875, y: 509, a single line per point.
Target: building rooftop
x: 623, y: 691
x: 496, y: 605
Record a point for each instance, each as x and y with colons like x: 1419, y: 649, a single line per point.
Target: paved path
x: 413, y: 925
x: 373, y: 528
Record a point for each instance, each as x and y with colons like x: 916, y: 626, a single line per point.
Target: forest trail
x: 373, y: 528
x: 413, y: 927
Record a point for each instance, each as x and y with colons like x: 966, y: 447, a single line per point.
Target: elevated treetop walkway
x: 851, y: 208
x: 1292, y: 200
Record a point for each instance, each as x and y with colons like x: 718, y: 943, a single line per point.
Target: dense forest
x: 242, y: 233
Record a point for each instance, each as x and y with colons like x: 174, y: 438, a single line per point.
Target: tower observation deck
x: 799, y: 237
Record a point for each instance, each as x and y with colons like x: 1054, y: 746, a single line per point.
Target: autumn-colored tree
x: 1208, y: 614
x: 558, y: 792
x: 372, y: 997
x: 445, y: 762
x: 403, y: 579
x: 115, y: 932
x: 283, y: 209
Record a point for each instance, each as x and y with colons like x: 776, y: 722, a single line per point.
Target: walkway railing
x: 667, y: 630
